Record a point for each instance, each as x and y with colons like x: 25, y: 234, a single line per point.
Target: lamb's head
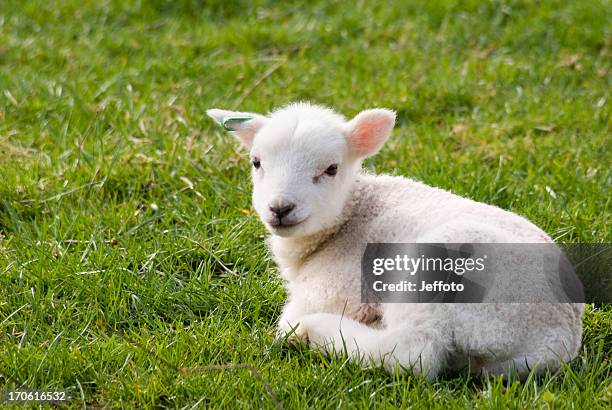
x: 304, y: 161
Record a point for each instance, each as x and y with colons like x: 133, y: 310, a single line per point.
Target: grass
x: 130, y: 259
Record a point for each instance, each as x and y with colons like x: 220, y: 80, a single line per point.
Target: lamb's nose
x: 282, y: 210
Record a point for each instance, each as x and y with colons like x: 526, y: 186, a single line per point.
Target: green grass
x: 130, y: 258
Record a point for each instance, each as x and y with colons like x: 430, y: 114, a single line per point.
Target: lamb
x: 322, y: 209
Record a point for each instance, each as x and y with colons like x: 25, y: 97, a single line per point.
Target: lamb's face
x: 301, y: 175
x: 304, y: 160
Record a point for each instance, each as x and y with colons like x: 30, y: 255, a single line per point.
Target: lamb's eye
x: 256, y: 163
x: 332, y: 170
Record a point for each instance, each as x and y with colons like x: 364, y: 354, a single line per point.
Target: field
x: 133, y: 272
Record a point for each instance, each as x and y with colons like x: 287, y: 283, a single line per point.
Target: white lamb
x: 322, y: 210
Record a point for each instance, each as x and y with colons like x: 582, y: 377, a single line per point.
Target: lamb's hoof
x: 299, y: 336
x: 295, y: 336
x: 367, y: 313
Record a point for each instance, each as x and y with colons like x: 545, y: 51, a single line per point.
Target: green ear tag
x: 227, y: 122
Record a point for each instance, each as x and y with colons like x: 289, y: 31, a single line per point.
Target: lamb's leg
x: 392, y: 347
x: 292, y: 311
x: 547, y: 353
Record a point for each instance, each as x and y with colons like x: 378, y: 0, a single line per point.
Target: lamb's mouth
x: 280, y: 225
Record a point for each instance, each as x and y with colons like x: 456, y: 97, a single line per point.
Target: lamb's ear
x: 244, y: 125
x: 368, y: 131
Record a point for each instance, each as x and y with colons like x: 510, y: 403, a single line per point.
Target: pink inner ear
x: 367, y: 136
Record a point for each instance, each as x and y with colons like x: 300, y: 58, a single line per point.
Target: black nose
x: 282, y: 210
